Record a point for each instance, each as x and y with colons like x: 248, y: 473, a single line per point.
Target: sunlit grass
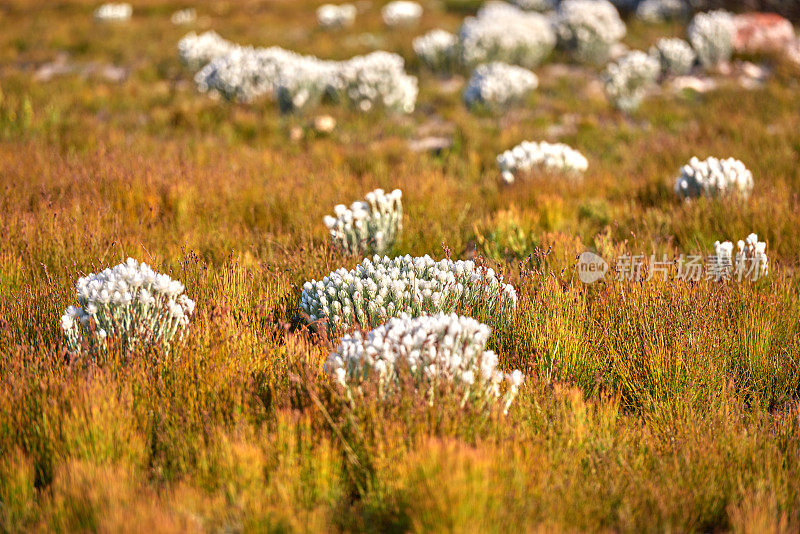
x: 661, y: 405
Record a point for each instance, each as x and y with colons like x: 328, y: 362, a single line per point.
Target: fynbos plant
x: 552, y: 157
x: 113, y: 12
x: 750, y: 262
x: 369, y: 226
x: 381, y: 288
x: 378, y: 80
x: 196, y: 51
x: 401, y: 13
x: 184, y: 17
x: 429, y: 350
x: 661, y: 10
x: 502, y: 32
x: 711, y: 35
x: 438, y: 50
x: 675, y: 56
x: 128, y: 305
x: 588, y: 29
x: 713, y: 177
x: 333, y: 17
x: 244, y: 74
x: 627, y: 79
x: 535, y: 5
x: 498, y: 86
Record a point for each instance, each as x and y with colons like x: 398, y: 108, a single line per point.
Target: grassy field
x: 648, y: 406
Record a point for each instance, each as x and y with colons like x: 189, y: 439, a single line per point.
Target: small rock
x: 430, y: 144
x: 753, y: 71
x: 451, y: 85
x: 793, y: 52
x: 60, y: 66
x: 725, y: 68
x: 324, y: 124
x: 567, y: 126
x: 435, y: 127
x: 295, y: 134
x: 112, y: 73
x: 700, y: 85
x: 762, y: 32
x: 617, y: 51
x: 559, y: 70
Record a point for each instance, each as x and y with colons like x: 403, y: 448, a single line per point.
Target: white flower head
x: 154, y: 310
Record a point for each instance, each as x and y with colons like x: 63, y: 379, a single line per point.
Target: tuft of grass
x: 661, y: 405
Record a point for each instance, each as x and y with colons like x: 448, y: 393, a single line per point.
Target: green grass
x: 654, y: 406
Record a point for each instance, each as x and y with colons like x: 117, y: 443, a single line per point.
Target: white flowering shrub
x: 183, y: 16
x: 369, y: 226
x: 541, y: 6
x: 498, y: 85
x: 401, y: 13
x: 502, y: 32
x: 301, y: 84
x: 381, y: 288
x: 112, y: 12
x: 714, y: 177
x: 195, y: 50
x: 423, y: 353
x: 530, y: 155
x: 711, y: 35
x: 628, y: 78
x: 588, y: 29
x: 750, y: 263
x: 334, y: 17
x: 245, y: 74
x: 378, y: 80
x: 675, y: 56
x: 128, y: 305
x: 655, y: 11
x: 437, y: 50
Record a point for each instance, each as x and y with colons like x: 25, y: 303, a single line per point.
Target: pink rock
x: 762, y: 32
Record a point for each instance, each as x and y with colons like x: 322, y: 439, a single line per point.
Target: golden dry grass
x: 660, y: 406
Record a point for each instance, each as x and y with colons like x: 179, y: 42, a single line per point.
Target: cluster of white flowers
x: 378, y: 80
x: 661, y: 10
x: 334, y: 17
x: 245, y: 73
x: 195, y: 51
x: 589, y: 28
x: 750, y: 262
x: 529, y: 155
x: 541, y: 6
x: 401, y: 13
x: 675, y: 56
x: 369, y: 226
x: 438, y: 50
x: 497, y: 85
x: 113, y: 12
x: 713, y: 177
x: 130, y: 305
x: 422, y: 353
x: 502, y: 32
x: 184, y: 16
x: 711, y: 35
x: 381, y: 287
x: 299, y: 82
x: 628, y: 78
